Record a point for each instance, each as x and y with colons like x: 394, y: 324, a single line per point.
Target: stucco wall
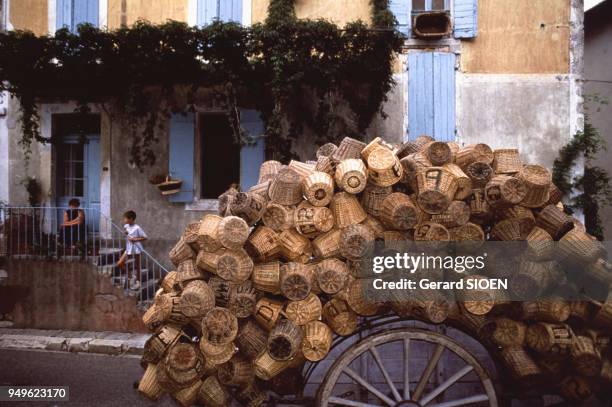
x: 338, y: 11
x: 156, y: 11
x: 519, y: 36
x: 29, y: 15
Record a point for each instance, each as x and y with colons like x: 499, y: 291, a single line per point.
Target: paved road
x: 94, y: 380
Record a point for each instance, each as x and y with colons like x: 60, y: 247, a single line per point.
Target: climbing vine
x: 302, y: 75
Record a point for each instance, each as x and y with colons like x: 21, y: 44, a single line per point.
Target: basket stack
x: 265, y: 285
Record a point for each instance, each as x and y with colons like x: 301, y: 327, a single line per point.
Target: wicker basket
x: 187, y: 271
x: 554, y: 194
x: 479, y: 207
x: 398, y: 212
x: 317, y: 341
x: 319, y: 188
x: 268, y: 170
x: 233, y: 232
x: 340, y: 317
x: 550, y: 338
x: 474, y: 153
x: 521, y: 366
x: 301, y: 168
x: 434, y: 311
x: 286, y: 187
x: 208, y: 260
x: 549, y: 310
x: 278, y: 217
x: 225, y: 199
x: 508, y: 332
x: 263, y: 244
x: 411, y: 166
x: 326, y: 150
x: 423, y: 140
x: 268, y: 312
x: 346, y: 210
x: 156, y: 346
x: 332, y: 275
x: 372, y: 198
x: 431, y: 232
x: 149, y: 385
x: 506, y: 161
x: 248, y: 206
x: 208, y: 233
x: 237, y: 372
x: 480, y: 173
x: 219, y: 326
x: 348, y: 148
x: 585, y: 357
x: 181, y: 252
x: 312, y: 220
x: 196, y: 299
x: 242, y: 300
x: 184, y: 364
x: 304, y: 311
x: 284, y: 340
x: 351, y: 175
x: 470, y: 232
x: 357, y: 241
x: 540, y: 245
x: 213, y: 394
x: 266, y: 277
x: 155, y: 316
x: 295, y: 281
x: 533, y: 279
x: 575, y: 388
x: 261, y: 189
x: 293, y: 244
x: 170, y: 186
x: 358, y: 300
x: 326, y: 165
x: 508, y: 230
x: 266, y: 367
x: 576, y: 244
x: 371, y: 146
x: 384, y: 167
x: 234, y: 265
x: 504, y: 191
x: 477, y: 301
x: 437, y: 187
x: 439, y: 153
x: 554, y: 221
x: 187, y: 397
x: 457, y: 214
x: 217, y: 354
x: 251, y: 340
x: 406, y: 148
x: 327, y: 245
x: 375, y: 226
x: 190, y: 235
x: 464, y: 183
x: 538, y: 180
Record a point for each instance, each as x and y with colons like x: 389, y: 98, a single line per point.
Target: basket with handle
x: 348, y: 148
x: 242, y: 300
x: 268, y: 170
x: 319, y: 188
x: 439, y: 153
x: 263, y: 244
x: 332, y: 275
x: 538, y: 180
x: 266, y: 367
x: 251, y: 340
x: 266, y: 277
x: 286, y: 187
x: 340, y: 317
x: 236, y: 372
x: 480, y: 173
x: 234, y: 265
x: 506, y: 161
x: 326, y: 150
x: 208, y: 232
x: 346, y: 210
x: 312, y: 220
x: 249, y: 206
x: 328, y: 244
x: 233, y: 232
x: 293, y: 244
x: 268, y: 312
x: 149, y: 385
x: 303, y: 311
x: 384, y: 168
x: 170, y: 186
x: 550, y: 338
x: 464, y: 183
x: 474, y: 153
x: 357, y: 241
x: 317, y: 341
x: 504, y: 191
x: 219, y: 326
x: 436, y: 189
x: 278, y: 217
x: 212, y: 393
x: 372, y: 198
x: 554, y: 221
x: 351, y: 175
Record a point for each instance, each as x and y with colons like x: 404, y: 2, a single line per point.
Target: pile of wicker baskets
x: 265, y: 285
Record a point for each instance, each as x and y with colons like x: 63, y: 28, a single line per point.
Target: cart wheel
x: 397, y: 391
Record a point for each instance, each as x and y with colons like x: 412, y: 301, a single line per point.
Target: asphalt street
x: 94, y: 380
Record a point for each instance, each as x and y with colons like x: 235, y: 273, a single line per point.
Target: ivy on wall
x: 300, y: 74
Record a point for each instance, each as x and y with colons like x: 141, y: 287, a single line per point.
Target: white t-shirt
x: 133, y: 231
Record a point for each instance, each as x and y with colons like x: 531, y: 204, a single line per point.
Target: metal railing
x: 43, y: 233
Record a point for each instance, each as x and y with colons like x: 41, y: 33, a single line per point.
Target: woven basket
x: 470, y: 232
x: 301, y: 168
x: 340, y: 317
x: 395, y: 241
x: 537, y: 180
x: 437, y: 187
x: 508, y: 332
x: 237, y: 372
x: 351, y: 175
x: 384, y: 167
x: 412, y: 165
x: 284, y: 340
x: 181, y: 252
x: 242, y: 300
x: 480, y: 173
x: 208, y: 260
x: 304, y: 311
x: 248, y: 206
x: 263, y: 244
x: 268, y: 170
x: 225, y: 199
x: 464, y: 183
x: 533, y: 279
x: 261, y: 189
x: 217, y: 354
x: 549, y: 310
x: 278, y: 217
x: 550, y: 338
x: 358, y: 300
x: 326, y: 150
x: 233, y: 232
x: 207, y: 233
x: 575, y: 388
x: 431, y: 232
x: 317, y: 341
x: 372, y: 198
x: 375, y: 226
x: 371, y: 146
x: 155, y: 317
x: 187, y: 397
x: 477, y: 301
x: 213, y: 394
x: 149, y: 385
x: 346, y: 210
x: 312, y: 220
x: 327, y: 245
x: 406, y: 148
x: 187, y: 271
x: 433, y: 311
x: 196, y: 299
x: 479, y: 207
x: 540, y: 245
x: 266, y: 277
x: 295, y: 281
x: 506, y: 161
x: 398, y: 212
x: 234, y: 265
x: 293, y: 245
x: 184, y: 364
x: 504, y: 191
x: 585, y: 357
x: 508, y: 230
x: 348, y: 148
x: 326, y: 165
x: 521, y: 366
x: 576, y: 244
x: 156, y: 346
x: 554, y: 195
x: 457, y: 214
x: 219, y: 326
x: 357, y: 241
x: 268, y: 312
x: 319, y: 188
x: 554, y: 221
x: 439, y: 153
x: 251, y: 340
x: 423, y: 140
x: 474, y: 153
x: 190, y: 235
x: 267, y: 367
x: 286, y: 187
x: 170, y: 283
x: 332, y: 275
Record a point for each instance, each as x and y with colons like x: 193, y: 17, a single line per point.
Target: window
x: 72, y: 174
x: 71, y: 13
x: 464, y: 14
x: 430, y: 5
x: 224, y: 10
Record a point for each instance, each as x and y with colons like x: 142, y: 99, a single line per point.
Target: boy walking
x: 133, y: 247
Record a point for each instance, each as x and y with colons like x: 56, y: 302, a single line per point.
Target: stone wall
x: 68, y: 296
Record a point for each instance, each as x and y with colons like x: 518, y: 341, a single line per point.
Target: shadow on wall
x: 70, y: 296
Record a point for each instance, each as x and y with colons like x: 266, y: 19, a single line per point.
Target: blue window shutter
x: 251, y: 155
x: 401, y: 9
x: 230, y: 10
x: 181, y: 152
x: 208, y: 10
x: 64, y: 14
x: 431, y: 95
x: 85, y: 11
x: 466, y: 18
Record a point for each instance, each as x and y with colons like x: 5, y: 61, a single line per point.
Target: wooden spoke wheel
x: 415, y: 354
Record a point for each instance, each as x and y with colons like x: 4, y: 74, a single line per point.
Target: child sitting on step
x: 133, y: 247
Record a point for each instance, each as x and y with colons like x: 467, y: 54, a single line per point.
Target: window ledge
x: 203, y: 205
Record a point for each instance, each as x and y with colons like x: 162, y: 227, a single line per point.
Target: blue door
x: 431, y: 95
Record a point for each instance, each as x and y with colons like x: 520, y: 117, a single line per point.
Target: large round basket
x: 304, y: 169
x: 286, y: 187
x: 196, y: 299
x: 521, y: 366
x: 506, y: 161
x: 251, y: 340
x: 278, y: 217
x: 266, y: 277
x: 295, y: 281
x: 439, y: 153
x: 550, y: 338
x: 184, y: 364
x: 263, y: 244
x: 372, y: 198
x: 357, y: 241
x: 537, y: 180
x: 332, y: 275
x: 351, y: 175
x: 293, y: 245
x: 319, y: 188
x: 268, y: 170
x: 326, y: 150
x: 149, y: 385
x: 284, y: 340
x: 348, y: 148
x: 346, y: 210
x: 208, y: 233
x: 457, y: 214
x: 304, y: 311
x: 340, y: 317
x: 312, y: 220
x: 237, y: 372
x: 213, y: 394
x: 317, y: 341
x: 437, y: 187
x: 554, y: 221
x: 233, y: 232
x: 464, y: 183
x: 504, y: 191
x: 219, y: 326
x: 480, y: 173
x: 268, y: 312
x: 235, y: 266
x: 249, y: 206
x: 384, y: 167
x: 266, y: 367
x: 328, y: 244
x: 398, y: 212
x: 474, y: 153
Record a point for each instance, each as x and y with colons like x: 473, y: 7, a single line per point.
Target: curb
x: 102, y: 343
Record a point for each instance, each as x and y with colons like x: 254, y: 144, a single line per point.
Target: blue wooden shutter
x: 208, y: 10
x: 71, y: 13
x: 181, y: 154
x: 251, y: 155
x: 63, y: 14
x: 466, y: 18
x: 431, y: 95
x: 230, y: 10
x: 401, y: 9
